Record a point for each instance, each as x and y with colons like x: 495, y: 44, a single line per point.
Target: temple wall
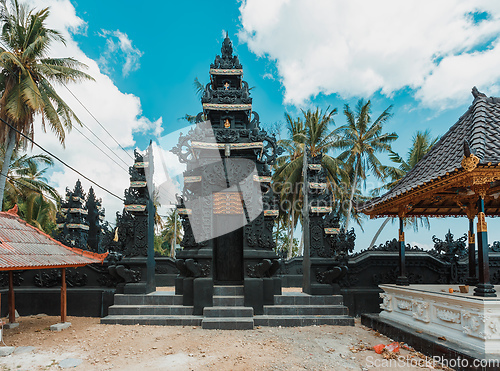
x: 90, y: 289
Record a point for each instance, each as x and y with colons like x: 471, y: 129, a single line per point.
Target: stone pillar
x: 402, y: 280
x: 484, y: 287
x: 472, y: 279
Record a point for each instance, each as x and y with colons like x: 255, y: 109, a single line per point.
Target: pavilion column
x: 402, y: 280
x: 484, y: 287
x: 12, y: 300
x: 472, y: 279
x: 63, y: 295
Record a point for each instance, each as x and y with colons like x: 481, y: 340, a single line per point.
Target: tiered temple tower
x: 72, y: 223
x: 227, y: 205
x: 326, y: 245
x: 96, y: 221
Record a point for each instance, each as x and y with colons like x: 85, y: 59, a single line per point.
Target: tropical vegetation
x: 312, y: 131
x: 422, y: 143
x: 170, y: 234
x: 361, y: 140
x: 27, y: 187
x: 26, y: 80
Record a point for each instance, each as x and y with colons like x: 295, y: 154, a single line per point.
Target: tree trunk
x: 9, y: 149
x: 378, y: 232
x: 353, y: 189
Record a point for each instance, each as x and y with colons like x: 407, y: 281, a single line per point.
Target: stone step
x: 228, y: 301
x: 150, y: 310
x: 296, y: 321
x: 218, y: 312
x: 231, y: 323
x: 305, y: 299
x: 172, y: 320
x: 228, y: 290
x: 158, y: 298
x: 305, y: 310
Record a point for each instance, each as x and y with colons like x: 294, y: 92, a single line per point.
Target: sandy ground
x: 105, y: 347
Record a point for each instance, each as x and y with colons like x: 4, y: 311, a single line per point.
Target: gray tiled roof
x: 480, y: 126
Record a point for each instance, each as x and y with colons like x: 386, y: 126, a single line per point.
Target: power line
x: 83, y: 124
x: 61, y: 161
x: 90, y: 113
x: 83, y: 135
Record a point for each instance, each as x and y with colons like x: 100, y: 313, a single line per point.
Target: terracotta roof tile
x: 23, y: 246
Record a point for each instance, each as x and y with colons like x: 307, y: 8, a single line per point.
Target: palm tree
x: 39, y: 211
x: 171, y: 234
x: 26, y: 79
x: 25, y: 177
x: 422, y: 142
x: 312, y: 131
x: 360, y: 140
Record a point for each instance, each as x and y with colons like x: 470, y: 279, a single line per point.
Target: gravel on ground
x: 107, y: 347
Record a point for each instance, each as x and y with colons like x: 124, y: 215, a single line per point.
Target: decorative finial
x: 466, y: 148
x: 469, y: 161
x: 227, y: 48
x: 14, y: 210
x: 476, y: 93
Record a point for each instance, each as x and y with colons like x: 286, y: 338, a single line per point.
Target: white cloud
x: 357, y: 47
x: 118, y: 47
x: 119, y: 113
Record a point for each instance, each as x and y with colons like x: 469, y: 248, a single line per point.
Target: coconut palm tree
x: 172, y: 231
x: 361, y: 141
x: 422, y: 142
x: 39, y: 211
x: 25, y: 176
x: 26, y: 79
x: 312, y: 131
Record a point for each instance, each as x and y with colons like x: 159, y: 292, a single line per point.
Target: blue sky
x: 297, y: 54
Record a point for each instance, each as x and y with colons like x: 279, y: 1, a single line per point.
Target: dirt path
x: 105, y: 347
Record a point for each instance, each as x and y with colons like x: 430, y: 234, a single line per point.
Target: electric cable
x: 61, y: 161
x: 83, y: 124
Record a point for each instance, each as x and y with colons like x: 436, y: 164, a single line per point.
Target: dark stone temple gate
x: 227, y: 206
x: 227, y: 267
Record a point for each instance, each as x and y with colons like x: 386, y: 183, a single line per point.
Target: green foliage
x: 422, y: 142
x: 24, y: 176
x: 281, y: 236
x: 360, y: 141
x: 161, y: 246
x: 28, y: 73
x: 39, y: 211
x: 27, y: 76
x: 171, y: 227
x: 27, y: 187
x: 312, y: 130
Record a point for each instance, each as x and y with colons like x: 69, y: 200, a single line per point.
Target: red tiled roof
x: 23, y: 246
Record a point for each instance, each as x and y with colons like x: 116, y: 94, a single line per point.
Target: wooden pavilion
x: 459, y: 176
x: 23, y: 246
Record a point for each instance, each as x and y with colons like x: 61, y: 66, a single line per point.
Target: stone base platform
x: 459, y: 358
x: 468, y: 321
x: 228, y: 311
